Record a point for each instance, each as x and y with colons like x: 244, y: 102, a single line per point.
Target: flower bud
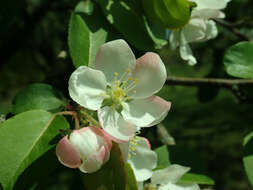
x: 87, y: 149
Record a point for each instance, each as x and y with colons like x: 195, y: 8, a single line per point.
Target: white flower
x: 87, y: 149
x: 121, y: 88
x: 167, y: 178
x: 200, y: 27
x: 139, y: 155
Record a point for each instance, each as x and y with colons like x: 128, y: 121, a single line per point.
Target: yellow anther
x: 136, y: 81
x: 130, y: 78
x: 134, y: 91
x: 132, y: 148
x: 128, y: 70
x: 116, y: 74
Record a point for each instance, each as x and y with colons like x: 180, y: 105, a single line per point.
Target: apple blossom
x: 199, y: 29
x: 87, y: 149
x: 137, y: 152
x: 122, y: 89
x: 168, y: 178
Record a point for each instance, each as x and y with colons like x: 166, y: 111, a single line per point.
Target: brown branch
x: 234, y: 85
x: 233, y: 28
x: 226, y: 83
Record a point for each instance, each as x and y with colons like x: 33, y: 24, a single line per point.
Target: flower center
x: 118, y: 94
x: 121, y: 88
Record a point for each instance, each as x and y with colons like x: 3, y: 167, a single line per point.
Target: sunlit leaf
x: 86, y: 35
x: 190, y: 178
x: 131, y: 179
x: 37, y: 96
x: 25, y: 140
x: 163, y: 160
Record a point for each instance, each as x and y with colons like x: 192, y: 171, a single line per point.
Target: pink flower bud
x: 87, y: 149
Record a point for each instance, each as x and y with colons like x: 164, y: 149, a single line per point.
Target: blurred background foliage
x: 207, y: 123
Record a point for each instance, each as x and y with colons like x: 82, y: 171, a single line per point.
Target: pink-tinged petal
x: 101, y: 155
x: 67, y: 154
x: 147, y: 142
x: 143, y: 161
x: 107, y: 139
x: 151, y: 75
x: 146, y: 112
x: 115, y: 56
x: 115, y: 126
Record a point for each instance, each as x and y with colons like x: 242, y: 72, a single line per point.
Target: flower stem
x: 89, y: 118
x: 72, y: 113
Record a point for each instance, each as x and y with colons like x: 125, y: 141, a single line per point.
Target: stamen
x: 125, y: 74
x: 115, y: 76
x: 133, y: 144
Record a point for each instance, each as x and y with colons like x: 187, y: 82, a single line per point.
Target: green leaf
x: 157, y: 34
x: 131, y: 179
x: 248, y: 156
x: 86, y: 35
x: 238, y: 60
x: 112, y: 176
x: 163, y: 160
x: 171, y: 14
x: 128, y: 21
x: 24, y: 140
x: 191, y: 178
x: 86, y: 7
x: 37, y: 96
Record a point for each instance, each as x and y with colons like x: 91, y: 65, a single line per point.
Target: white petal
x: 151, y: 75
x: 170, y: 174
x: 211, y: 30
x: 194, y: 31
x: 114, y: 56
x: 140, y: 186
x: 175, y: 39
x: 124, y: 148
x: 86, y: 142
x: 143, y: 161
x: 171, y: 186
x: 114, y: 125
x: 211, y: 4
x: 86, y: 87
x: 186, y: 52
x: 207, y: 14
x: 145, y: 112
x: 94, y: 162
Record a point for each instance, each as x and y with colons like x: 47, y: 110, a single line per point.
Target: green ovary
x: 118, y: 95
